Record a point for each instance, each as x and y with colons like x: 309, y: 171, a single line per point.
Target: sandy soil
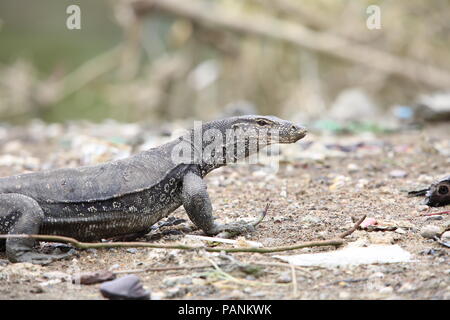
x: 310, y: 200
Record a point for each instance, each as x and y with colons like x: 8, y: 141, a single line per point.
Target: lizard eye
x: 262, y: 122
x: 443, y: 190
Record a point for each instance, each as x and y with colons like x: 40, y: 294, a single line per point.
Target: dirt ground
x: 311, y: 199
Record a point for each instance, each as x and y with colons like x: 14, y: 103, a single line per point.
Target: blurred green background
x: 163, y: 60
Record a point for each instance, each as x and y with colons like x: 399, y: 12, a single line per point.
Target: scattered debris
x: 124, y: 288
x: 446, y: 236
x: 368, y: 222
x: 398, y: 174
x: 430, y: 231
x: 94, y: 277
x: 351, y: 256
x: 241, y: 242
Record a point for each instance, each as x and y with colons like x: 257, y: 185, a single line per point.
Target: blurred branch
x: 87, y: 73
x: 216, y: 16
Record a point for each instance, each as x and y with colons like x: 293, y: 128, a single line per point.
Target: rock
x: 284, y: 277
x: 377, y: 275
x: 311, y: 219
x: 37, y: 290
x: 400, y: 231
x: 351, y: 167
x: 430, y: 232
x: 422, y: 207
x: 386, y: 290
x: 173, y: 281
x: 56, y: 275
x: 94, y: 277
x: 434, y: 218
x: 398, y: 174
x: 132, y: 250
x: 176, y: 292
x: 124, y: 288
x: 445, y: 236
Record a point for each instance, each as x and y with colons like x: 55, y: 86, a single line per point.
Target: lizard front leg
x: 20, y: 214
x: 197, y: 204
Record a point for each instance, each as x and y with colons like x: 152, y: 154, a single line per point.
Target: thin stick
x: 157, y: 269
x: 294, y: 281
x: 356, y: 226
x: 435, y: 213
x: 97, y: 245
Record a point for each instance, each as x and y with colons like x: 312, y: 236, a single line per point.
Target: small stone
x: 176, y: 292
x: 94, y: 277
x: 422, y: 207
x: 173, y: 281
x: 284, y: 277
x: 56, y: 275
x: 311, y: 219
x: 351, y: 167
x: 124, y: 288
x: 386, y: 290
x: 445, y: 236
x: 430, y: 232
x: 400, y: 231
x: 434, y: 218
x: 398, y: 174
x: 377, y: 275
x: 37, y: 290
x: 132, y: 250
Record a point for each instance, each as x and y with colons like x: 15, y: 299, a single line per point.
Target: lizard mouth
x: 299, y: 132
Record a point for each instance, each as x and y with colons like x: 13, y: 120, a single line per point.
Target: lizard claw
x: 41, y: 258
x: 234, y: 229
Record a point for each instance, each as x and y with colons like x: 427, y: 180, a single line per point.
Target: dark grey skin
x: 127, y: 196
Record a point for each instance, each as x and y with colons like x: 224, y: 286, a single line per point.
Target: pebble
x: 445, y: 236
x: 351, y: 167
x: 434, y: 218
x: 400, y: 231
x: 398, y: 174
x: 422, y: 207
x: 93, y: 277
x: 377, y: 275
x: 124, y: 288
x: 132, y: 250
x: 56, y: 275
x: 386, y: 290
x: 173, y: 281
x: 430, y: 232
x: 177, y: 292
x: 311, y: 219
x: 284, y: 277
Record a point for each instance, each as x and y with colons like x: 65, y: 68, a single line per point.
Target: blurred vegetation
x: 151, y: 60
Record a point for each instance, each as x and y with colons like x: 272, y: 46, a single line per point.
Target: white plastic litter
x: 351, y: 256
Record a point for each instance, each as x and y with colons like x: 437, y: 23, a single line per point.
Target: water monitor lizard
x: 130, y: 195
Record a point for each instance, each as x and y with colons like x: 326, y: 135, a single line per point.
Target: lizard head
x: 439, y: 193
x: 220, y: 142
x: 236, y: 138
x: 267, y: 129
